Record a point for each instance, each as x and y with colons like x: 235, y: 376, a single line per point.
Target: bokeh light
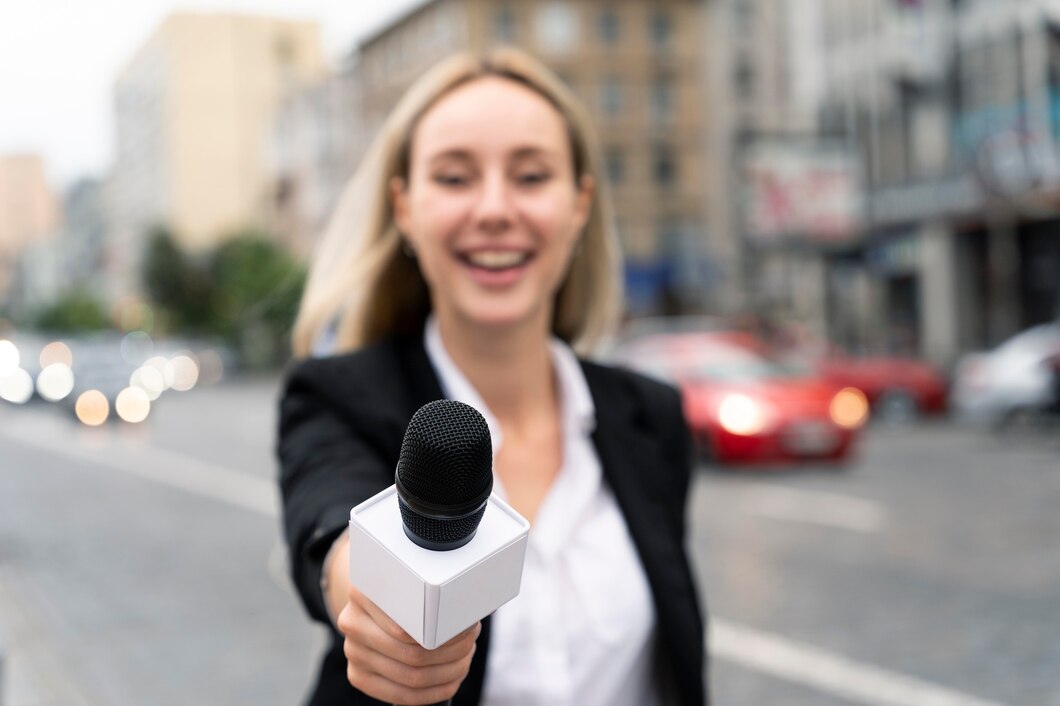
x: 92, y: 408
x: 56, y: 352
x: 739, y: 414
x: 132, y: 405
x: 185, y: 372
x: 136, y: 347
x: 849, y: 408
x: 9, y: 358
x: 55, y: 382
x: 16, y: 386
x: 149, y: 380
x: 164, y: 367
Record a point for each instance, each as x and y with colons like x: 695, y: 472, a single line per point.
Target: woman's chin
x: 500, y: 318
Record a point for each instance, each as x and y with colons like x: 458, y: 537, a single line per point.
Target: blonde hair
x: 363, y: 285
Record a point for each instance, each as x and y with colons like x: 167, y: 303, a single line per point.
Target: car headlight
x: 849, y: 408
x: 739, y: 414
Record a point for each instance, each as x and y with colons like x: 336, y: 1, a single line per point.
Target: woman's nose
x: 493, y: 211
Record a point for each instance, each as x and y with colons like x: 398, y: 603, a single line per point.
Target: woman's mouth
x: 496, y: 268
x: 496, y: 260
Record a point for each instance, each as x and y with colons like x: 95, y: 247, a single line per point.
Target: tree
x: 257, y: 288
x: 247, y: 291
x: 178, y: 284
x: 74, y: 312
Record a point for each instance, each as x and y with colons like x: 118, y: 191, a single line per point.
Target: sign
x: 801, y: 188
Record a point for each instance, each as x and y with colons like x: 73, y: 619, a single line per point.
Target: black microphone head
x: 444, y: 474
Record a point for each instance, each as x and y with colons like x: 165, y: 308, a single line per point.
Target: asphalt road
x: 141, y: 565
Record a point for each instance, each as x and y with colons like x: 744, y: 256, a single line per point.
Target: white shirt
x: 581, y: 630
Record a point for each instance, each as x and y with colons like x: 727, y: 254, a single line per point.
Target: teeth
x: 496, y: 259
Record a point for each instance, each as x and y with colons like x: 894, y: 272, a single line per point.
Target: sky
x: 59, y: 58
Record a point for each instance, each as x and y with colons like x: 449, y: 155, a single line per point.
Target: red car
x: 895, y: 387
x: 742, y: 407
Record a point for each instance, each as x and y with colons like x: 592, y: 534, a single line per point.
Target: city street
x: 141, y: 565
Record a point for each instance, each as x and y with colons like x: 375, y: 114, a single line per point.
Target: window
x: 608, y: 25
x: 662, y: 29
x: 504, y: 25
x: 612, y: 96
x: 664, y: 166
x: 662, y: 99
x: 556, y: 26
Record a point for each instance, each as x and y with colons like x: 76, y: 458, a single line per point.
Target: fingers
x: 389, y: 692
x: 371, y: 665
x: 386, y: 663
x: 381, y: 619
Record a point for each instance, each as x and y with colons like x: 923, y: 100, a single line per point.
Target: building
x: 784, y: 194
x: 84, y: 238
x: 317, y: 139
x: 953, y: 107
x: 194, y: 110
x: 638, y: 66
x: 29, y: 210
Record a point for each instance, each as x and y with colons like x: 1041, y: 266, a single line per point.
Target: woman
x: 471, y: 252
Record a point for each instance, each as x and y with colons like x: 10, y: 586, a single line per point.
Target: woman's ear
x: 399, y: 201
x: 584, y: 204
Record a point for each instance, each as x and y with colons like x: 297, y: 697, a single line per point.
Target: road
x: 141, y: 565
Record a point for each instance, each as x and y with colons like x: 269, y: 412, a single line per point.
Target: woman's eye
x: 533, y: 178
x: 450, y: 179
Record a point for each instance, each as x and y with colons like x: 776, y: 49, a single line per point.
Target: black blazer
x: 342, y: 420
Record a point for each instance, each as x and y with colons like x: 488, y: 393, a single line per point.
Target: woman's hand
x: 384, y: 662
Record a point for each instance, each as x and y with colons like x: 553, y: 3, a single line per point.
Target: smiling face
x: 492, y: 206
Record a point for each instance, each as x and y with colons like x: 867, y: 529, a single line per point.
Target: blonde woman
x: 471, y: 256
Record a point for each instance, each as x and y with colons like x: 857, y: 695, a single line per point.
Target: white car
x: 1014, y: 378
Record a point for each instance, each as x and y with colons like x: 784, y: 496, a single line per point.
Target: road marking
x: 826, y: 671
x: 152, y: 463
x: 814, y: 507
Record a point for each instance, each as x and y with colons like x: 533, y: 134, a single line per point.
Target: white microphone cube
x: 435, y: 595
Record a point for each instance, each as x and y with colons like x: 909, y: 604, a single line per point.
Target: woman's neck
x: 511, y: 368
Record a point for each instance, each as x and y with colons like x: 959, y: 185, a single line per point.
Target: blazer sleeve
x: 331, y: 458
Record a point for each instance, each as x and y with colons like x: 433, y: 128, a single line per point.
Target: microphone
x: 444, y: 475
x: 437, y: 551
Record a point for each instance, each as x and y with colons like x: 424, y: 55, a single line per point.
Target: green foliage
x: 178, y: 285
x: 75, y: 311
x: 247, y: 291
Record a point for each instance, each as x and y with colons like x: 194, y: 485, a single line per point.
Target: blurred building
x: 954, y: 110
x: 37, y: 278
x: 194, y: 112
x: 638, y: 66
x: 318, y: 137
x: 29, y: 210
x: 776, y: 202
x: 71, y: 259
x: 84, y: 237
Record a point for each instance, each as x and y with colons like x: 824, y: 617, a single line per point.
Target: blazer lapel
x: 631, y: 457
